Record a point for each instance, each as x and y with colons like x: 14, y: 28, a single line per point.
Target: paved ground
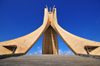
x: 49, y: 60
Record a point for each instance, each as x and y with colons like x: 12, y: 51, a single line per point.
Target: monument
x: 50, y: 29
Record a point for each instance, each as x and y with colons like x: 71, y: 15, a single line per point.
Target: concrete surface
x: 49, y: 60
x: 50, y: 42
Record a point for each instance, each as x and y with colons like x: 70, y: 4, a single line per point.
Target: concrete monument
x: 50, y: 29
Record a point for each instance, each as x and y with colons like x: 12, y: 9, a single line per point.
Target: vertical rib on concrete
x: 50, y: 42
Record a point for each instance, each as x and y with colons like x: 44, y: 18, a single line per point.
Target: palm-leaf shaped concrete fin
x: 75, y: 43
x: 26, y: 42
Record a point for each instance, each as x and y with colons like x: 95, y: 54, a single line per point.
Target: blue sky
x: 21, y: 17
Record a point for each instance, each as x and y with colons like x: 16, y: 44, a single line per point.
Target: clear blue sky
x: 21, y: 17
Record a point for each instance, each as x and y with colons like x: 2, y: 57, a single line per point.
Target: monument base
x: 49, y: 60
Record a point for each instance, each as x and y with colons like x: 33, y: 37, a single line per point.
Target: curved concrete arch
x: 26, y: 42
x: 75, y: 43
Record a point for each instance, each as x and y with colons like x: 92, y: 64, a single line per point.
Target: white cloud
x: 66, y: 52
x: 38, y: 47
x: 30, y: 54
x: 35, y: 53
x: 40, y: 51
x: 60, y: 52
